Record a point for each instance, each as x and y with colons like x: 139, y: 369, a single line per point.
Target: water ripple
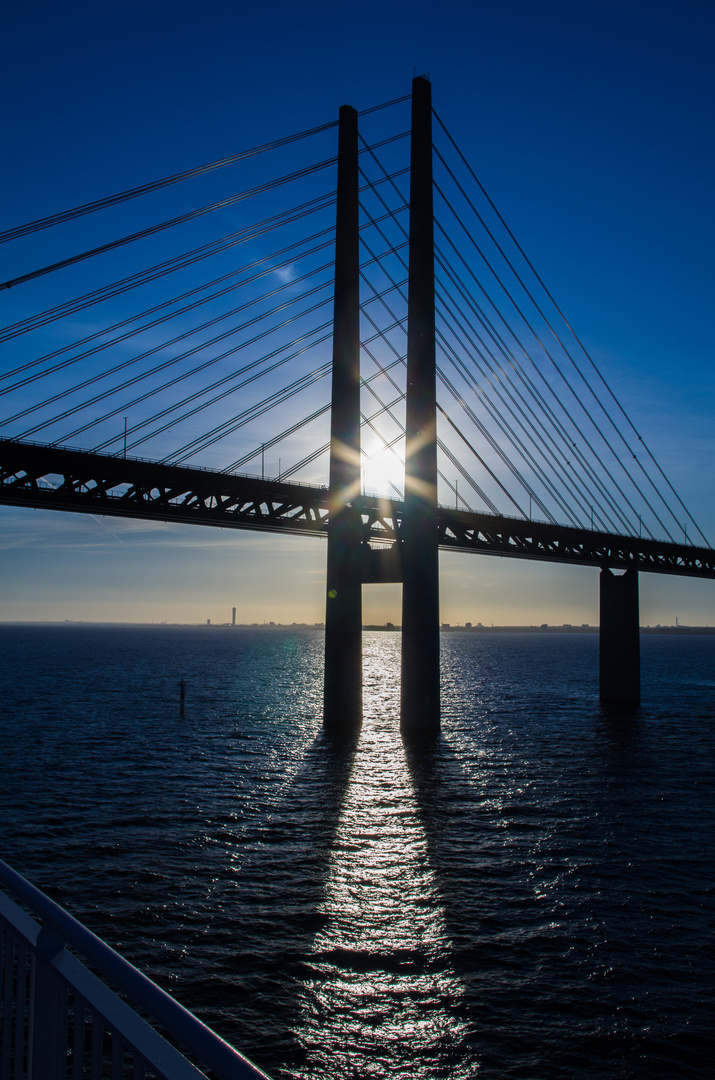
x: 529, y: 895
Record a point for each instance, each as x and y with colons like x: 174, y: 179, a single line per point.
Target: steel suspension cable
x: 381, y: 369
x: 178, y: 262
x: 572, y: 477
x: 554, y: 363
x: 401, y: 322
x: 156, y: 185
x: 385, y: 205
x: 289, y: 431
x: 545, y: 380
x: 386, y: 176
x: 526, y: 427
x: 174, y: 382
x: 460, y: 467
x: 460, y: 401
x: 188, y: 174
x: 571, y: 389
x: 489, y: 438
x: 385, y: 105
x: 510, y: 434
x: 241, y: 236
x: 270, y: 443
x: 326, y: 446
x: 230, y: 390
x: 506, y: 429
x: 226, y: 386
x: 578, y: 341
x: 251, y: 413
x: 180, y: 337
x: 560, y: 372
x: 506, y: 459
x: 176, y: 359
x: 105, y: 344
x: 179, y: 220
x: 523, y: 377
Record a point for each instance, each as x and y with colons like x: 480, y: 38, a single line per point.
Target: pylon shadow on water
x: 455, y: 843
x: 620, y: 712
x: 279, y: 890
x: 620, y: 725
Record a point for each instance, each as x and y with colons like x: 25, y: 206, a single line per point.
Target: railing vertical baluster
x: 139, y: 1072
x: 97, y: 1043
x: 117, y: 1057
x: 8, y: 956
x: 78, y: 1038
x: 47, y: 1036
x: 20, y: 1010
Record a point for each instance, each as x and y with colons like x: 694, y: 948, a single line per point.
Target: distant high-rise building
x: 233, y: 616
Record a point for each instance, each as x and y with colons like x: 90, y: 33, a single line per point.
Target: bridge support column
x: 420, y: 707
x: 342, y: 702
x: 619, y: 639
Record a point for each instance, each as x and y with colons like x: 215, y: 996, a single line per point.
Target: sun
x: 384, y: 472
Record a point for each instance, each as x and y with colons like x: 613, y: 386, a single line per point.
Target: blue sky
x: 590, y: 125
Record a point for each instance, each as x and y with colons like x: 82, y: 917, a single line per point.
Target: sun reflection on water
x: 380, y: 988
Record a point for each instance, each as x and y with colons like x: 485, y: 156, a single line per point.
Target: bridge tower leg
x: 619, y: 638
x: 342, y: 703
x: 419, y: 535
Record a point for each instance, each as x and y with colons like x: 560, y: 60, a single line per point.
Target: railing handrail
x: 212, y: 1050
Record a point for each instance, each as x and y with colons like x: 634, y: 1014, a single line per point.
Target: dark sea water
x: 529, y: 896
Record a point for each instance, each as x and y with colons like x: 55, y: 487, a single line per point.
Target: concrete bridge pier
x: 619, y: 638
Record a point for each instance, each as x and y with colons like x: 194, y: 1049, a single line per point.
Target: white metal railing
x: 58, y: 1020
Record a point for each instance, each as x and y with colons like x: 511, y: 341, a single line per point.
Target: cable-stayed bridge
x: 351, y: 344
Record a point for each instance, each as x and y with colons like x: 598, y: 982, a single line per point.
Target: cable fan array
x: 189, y: 320
x: 551, y: 432
x: 219, y: 371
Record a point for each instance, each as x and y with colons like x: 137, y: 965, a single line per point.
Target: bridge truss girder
x: 517, y: 538
x: 55, y: 478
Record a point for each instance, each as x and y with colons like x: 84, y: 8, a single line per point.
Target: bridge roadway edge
x: 38, y: 476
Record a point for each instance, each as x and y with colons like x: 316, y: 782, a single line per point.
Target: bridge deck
x: 55, y: 478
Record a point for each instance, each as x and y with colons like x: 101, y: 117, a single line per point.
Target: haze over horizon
x: 590, y: 126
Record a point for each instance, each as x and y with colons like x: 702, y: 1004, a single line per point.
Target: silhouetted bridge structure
x: 378, y: 539
x: 127, y: 487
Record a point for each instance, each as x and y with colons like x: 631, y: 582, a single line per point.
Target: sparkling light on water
x: 528, y: 895
x: 381, y: 995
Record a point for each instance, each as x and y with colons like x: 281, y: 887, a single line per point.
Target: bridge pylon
x: 349, y: 559
x: 420, y: 701
x: 342, y: 703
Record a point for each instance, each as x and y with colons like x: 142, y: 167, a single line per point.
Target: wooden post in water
x: 420, y: 707
x: 619, y: 659
x: 342, y: 701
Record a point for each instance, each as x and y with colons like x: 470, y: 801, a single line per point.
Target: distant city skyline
x: 269, y: 577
